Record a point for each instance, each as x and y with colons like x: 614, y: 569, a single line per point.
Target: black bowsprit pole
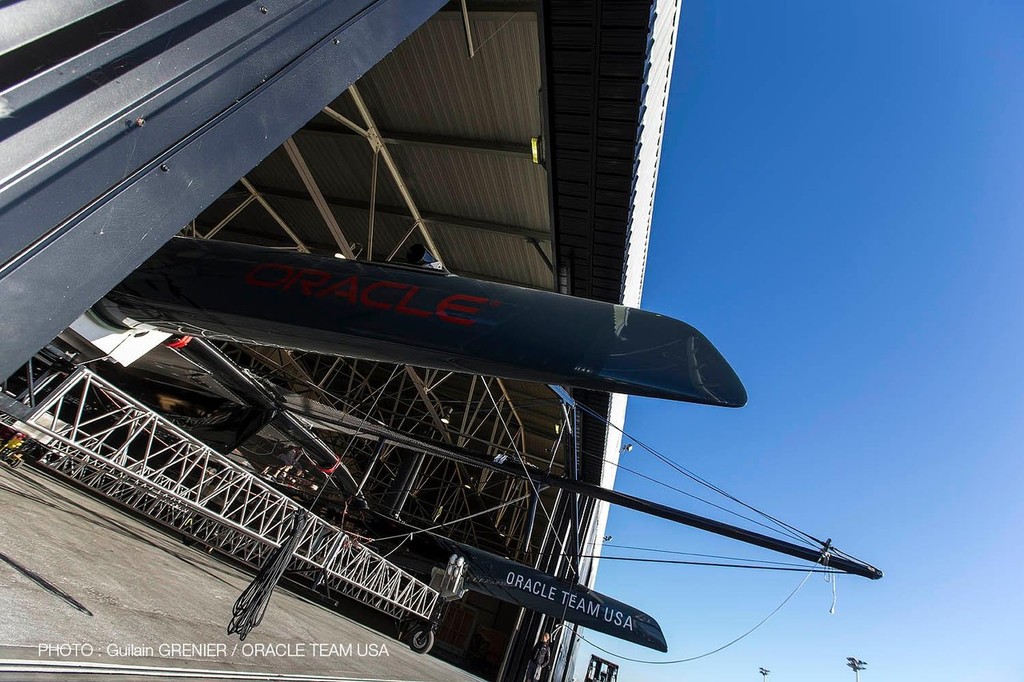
x: 541, y: 479
x: 822, y: 555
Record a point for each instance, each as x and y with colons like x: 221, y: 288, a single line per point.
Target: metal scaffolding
x: 105, y: 440
x: 468, y: 411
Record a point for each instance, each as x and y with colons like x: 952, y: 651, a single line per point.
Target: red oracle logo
x: 380, y: 294
x: 457, y: 303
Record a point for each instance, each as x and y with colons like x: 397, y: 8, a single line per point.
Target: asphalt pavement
x: 85, y: 586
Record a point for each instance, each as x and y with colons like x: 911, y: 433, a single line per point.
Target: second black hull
x: 413, y: 316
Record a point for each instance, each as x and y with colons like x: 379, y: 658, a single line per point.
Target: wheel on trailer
x: 420, y: 638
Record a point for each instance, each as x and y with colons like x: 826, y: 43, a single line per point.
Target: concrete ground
x: 109, y: 589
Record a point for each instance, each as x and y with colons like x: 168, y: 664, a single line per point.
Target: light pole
x: 764, y: 673
x: 856, y: 665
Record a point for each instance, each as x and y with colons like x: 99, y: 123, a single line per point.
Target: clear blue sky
x: 841, y: 210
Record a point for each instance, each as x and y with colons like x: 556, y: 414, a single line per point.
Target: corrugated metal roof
x: 459, y: 130
x: 502, y: 190
x: 462, y: 132
x: 493, y: 96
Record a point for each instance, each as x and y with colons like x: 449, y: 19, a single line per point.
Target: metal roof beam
x: 435, y: 416
x: 378, y: 145
x: 516, y: 150
x: 421, y: 390
x: 229, y: 217
x: 323, y: 248
x: 453, y: 221
x: 506, y: 7
x: 306, y: 175
x: 515, y: 413
x: 274, y: 214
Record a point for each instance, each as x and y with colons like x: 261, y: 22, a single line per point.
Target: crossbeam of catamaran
x: 825, y: 554
x: 430, y: 318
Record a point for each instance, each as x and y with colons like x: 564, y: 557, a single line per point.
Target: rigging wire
x: 784, y: 528
x: 704, y: 556
x: 784, y: 531
x: 533, y: 486
x: 373, y: 407
x: 416, y: 531
x: 398, y: 546
x: 791, y: 531
x: 713, y: 651
x: 679, y: 562
x: 697, y: 478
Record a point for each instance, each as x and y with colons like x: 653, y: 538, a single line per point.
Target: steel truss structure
x: 103, y: 439
x: 485, y: 414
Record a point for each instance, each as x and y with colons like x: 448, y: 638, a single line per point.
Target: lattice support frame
x: 114, y: 445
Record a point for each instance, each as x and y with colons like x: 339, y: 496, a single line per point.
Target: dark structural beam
x: 126, y: 124
x: 506, y: 7
x: 283, y: 241
x: 439, y: 218
x: 516, y: 150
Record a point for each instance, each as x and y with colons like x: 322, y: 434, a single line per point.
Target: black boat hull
x: 420, y: 317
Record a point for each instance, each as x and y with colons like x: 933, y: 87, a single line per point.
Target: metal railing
x: 105, y: 440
